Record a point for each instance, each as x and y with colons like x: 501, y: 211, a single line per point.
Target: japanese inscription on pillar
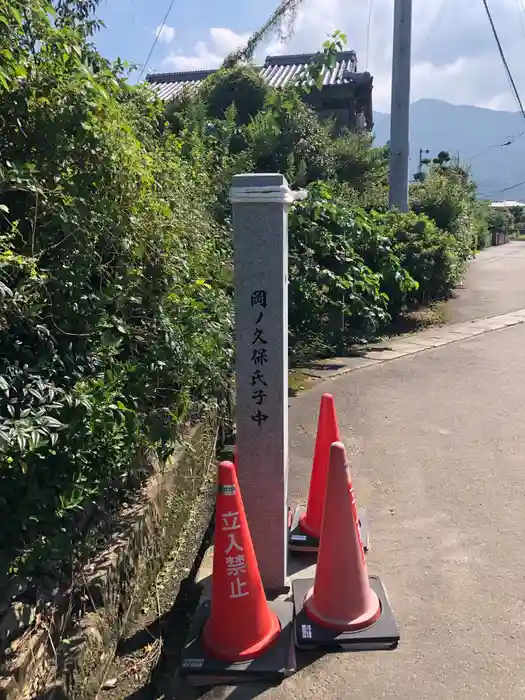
x: 260, y: 206
x: 259, y: 356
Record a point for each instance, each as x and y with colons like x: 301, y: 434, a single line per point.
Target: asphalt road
x: 437, y: 449
x: 494, y: 284
x: 436, y: 443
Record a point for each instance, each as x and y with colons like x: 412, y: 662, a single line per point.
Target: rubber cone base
x: 300, y: 541
x: 308, y: 635
x: 272, y: 666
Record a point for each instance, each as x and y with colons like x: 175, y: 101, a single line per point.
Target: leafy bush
x: 353, y: 271
x: 447, y: 196
x: 340, y: 265
x: 241, y: 86
x: 293, y: 142
x: 115, y: 324
x: 508, y: 219
x: 481, y: 225
x: 432, y: 257
x: 116, y: 266
x: 358, y: 163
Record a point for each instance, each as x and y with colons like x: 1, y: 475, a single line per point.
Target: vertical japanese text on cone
x: 234, y: 556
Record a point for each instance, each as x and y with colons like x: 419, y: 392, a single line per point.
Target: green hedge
x: 115, y: 324
x: 352, y: 272
x: 116, y: 319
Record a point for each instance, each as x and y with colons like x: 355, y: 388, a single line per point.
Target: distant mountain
x: 476, y: 135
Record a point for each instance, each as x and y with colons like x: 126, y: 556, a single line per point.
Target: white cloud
x: 210, y: 53
x: 454, y: 55
x: 166, y: 35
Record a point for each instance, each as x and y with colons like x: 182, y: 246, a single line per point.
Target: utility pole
x: 400, y: 109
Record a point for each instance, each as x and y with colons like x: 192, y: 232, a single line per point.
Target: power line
x: 515, y: 92
x: 503, y: 58
x: 370, y: 10
x: 505, y: 189
x: 508, y: 142
x: 436, y: 19
x: 159, y: 31
x: 521, y: 12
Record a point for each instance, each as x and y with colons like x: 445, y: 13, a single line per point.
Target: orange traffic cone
x: 239, y: 632
x: 241, y: 625
x: 342, y: 607
x: 305, y: 529
x: 327, y: 433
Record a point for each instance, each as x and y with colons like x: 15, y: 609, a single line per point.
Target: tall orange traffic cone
x: 342, y: 606
x: 305, y: 529
x: 238, y: 635
x: 327, y: 433
x: 241, y: 625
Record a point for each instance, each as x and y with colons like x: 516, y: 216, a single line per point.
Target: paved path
x: 437, y: 443
x: 437, y: 449
x: 494, y: 284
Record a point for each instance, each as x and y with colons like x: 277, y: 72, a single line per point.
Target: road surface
x: 437, y: 450
x: 494, y: 284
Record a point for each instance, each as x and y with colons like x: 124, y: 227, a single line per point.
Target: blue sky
x: 131, y: 25
x: 454, y: 54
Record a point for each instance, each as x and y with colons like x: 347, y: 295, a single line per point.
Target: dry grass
x: 420, y: 319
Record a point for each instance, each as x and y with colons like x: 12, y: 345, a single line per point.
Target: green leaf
x: 53, y: 422
x: 16, y: 13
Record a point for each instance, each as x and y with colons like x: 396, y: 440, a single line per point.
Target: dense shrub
x: 504, y: 219
x: 448, y: 197
x: 358, y: 164
x: 115, y: 325
x: 433, y: 258
x: 115, y: 260
x: 241, y: 86
x: 293, y: 142
x: 353, y: 271
x: 341, y: 263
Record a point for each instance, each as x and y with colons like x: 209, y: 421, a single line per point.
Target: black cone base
x: 308, y: 635
x: 272, y: 667
x: 299, y: 541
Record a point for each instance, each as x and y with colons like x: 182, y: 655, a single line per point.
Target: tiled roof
x: 278, y: 71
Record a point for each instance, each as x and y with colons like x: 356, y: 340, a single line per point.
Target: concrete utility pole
x: 400, y: 110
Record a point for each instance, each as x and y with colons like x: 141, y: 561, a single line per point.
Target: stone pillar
x: 260, y: 224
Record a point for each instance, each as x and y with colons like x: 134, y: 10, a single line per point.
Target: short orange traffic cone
x: 305, y: 529
x: 342, y: 607
x: 238, y: 635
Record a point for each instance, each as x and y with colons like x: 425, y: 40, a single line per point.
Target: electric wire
x: 370, y: 11
x: 508, y: 142
x: 505, y: 189
x: 514, y: 91
x: 159, y: 31
x: 436, y: 19
x: 521, y: 13
x: 504, y: 59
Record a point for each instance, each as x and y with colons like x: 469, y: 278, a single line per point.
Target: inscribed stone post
x: 260, y: 221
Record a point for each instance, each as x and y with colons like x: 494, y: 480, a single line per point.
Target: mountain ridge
x: 477, y: 134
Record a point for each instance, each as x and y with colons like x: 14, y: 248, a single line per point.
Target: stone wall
x: 63, y: 650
